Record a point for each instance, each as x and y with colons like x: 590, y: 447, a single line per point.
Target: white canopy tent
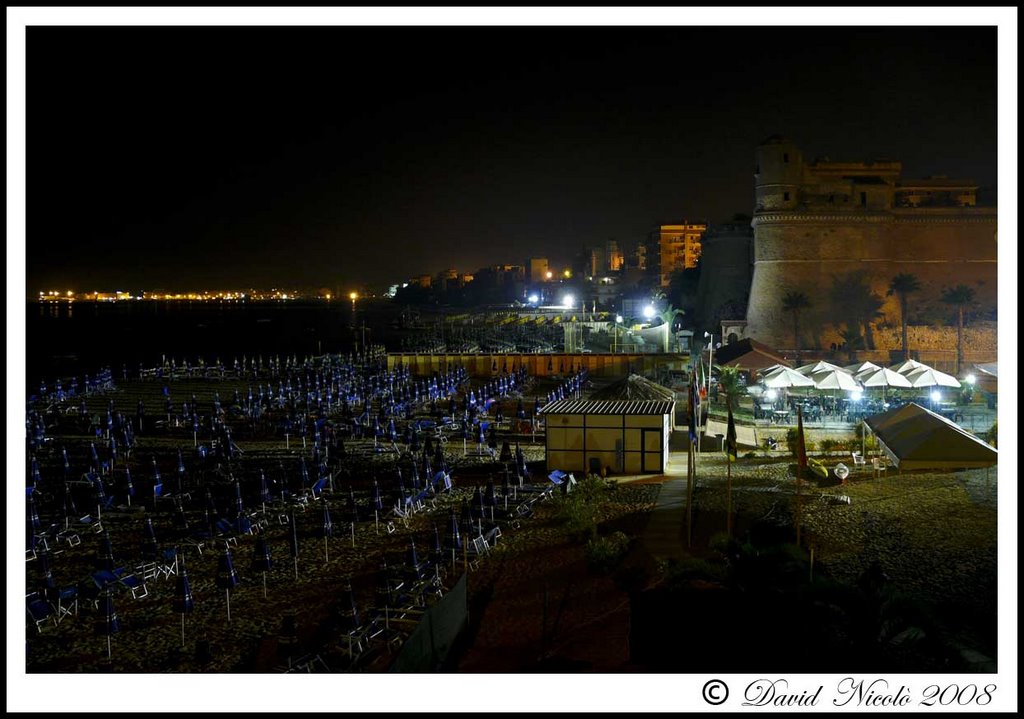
x: 928, y: 377
x: 883, y: 377
x: 836, y: 379
x: 786, y: 377
x: 819, y: 367
x: 908, y: 366
x: 861, y: 368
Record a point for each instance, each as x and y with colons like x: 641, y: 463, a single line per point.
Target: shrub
x: 791, y: 437
x: 578, y: 516
x: 827, y: 445
x: 603, y: 553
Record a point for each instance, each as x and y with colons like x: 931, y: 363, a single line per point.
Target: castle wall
x: 725, y: 285
x: 825, y: 228
x: 807, y: 254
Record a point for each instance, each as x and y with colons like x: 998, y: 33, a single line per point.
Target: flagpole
x: 731, y: 454
x: 801, y: 460
x: 728, y: 504
x: 690, y: 461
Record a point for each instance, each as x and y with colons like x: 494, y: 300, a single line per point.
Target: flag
x: 801, y: 451
x: 692, y: 401
x: 730, y: 435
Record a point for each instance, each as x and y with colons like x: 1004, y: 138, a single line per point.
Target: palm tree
x: 902, y: 285
x: 795, y: 302
x: 959, y: 296
x: 732, y: 387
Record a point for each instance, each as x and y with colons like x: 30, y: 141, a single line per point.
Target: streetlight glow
x: 567, y: 302
x: 618, y: 319
x: 533, y: 299
x: 649, y: 311
x: 971, y: 379
x: 936, y: 395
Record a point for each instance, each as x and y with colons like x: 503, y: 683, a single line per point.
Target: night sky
x: 181, y: 158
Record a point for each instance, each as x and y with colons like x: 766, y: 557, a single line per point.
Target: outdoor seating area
x: 825, y: 393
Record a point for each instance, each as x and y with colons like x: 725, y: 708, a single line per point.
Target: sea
x: 69, y: 339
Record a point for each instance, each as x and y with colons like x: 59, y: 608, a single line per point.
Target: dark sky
x: 224, y: 157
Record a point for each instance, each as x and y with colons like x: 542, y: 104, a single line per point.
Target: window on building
x: 785, y: 196
x: 863, y: 199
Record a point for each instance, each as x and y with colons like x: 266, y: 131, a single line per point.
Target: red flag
x: 801, y: 450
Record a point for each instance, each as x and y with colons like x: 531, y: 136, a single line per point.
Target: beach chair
x: 87, y: 522
x: 168, y: 564
x: 858, y: 460
x: 226, y: 532
x: 40, y: 611
x: 67, y: 603
x: 132, y: 583
x: 148, y: 571
x: 879, y: 466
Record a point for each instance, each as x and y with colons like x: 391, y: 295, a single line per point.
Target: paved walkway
x: 663, y: 537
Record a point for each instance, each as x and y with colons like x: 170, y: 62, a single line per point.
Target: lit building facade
x: 672, y: 248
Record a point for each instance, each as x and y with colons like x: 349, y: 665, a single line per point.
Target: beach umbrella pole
x: 296, y: 569
x: 108, y: 646
x: 227, y: 597
x: 286, y: 440
x: 195, y: 439
x: 325, y: 551
x: 183, y: 629
x: 264, y: 585
x: 352, y: 525
x: 376, y: 528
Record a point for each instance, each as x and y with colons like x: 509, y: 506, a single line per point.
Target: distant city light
x: 971, y: 379
x: 550, y: 274
x: 567, y: 273
x: 534, y: 298
x: 567, y: 301
x: 354, y: 296
x: 649, y: 311
x: 618, y: 318
x: 936, y: 396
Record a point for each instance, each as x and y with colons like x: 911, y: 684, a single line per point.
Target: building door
x: 651, y: 450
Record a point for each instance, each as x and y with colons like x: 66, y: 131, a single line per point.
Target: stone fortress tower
x: 814, y: 221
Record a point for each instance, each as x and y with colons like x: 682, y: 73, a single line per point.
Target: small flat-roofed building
x: 629, y: 436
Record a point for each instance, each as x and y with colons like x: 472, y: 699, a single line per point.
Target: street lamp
x: 711, y: 356
x: 353, y: 296
x: 615, y: 333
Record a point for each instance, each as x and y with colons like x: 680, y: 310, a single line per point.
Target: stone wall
x: 806, y: 254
